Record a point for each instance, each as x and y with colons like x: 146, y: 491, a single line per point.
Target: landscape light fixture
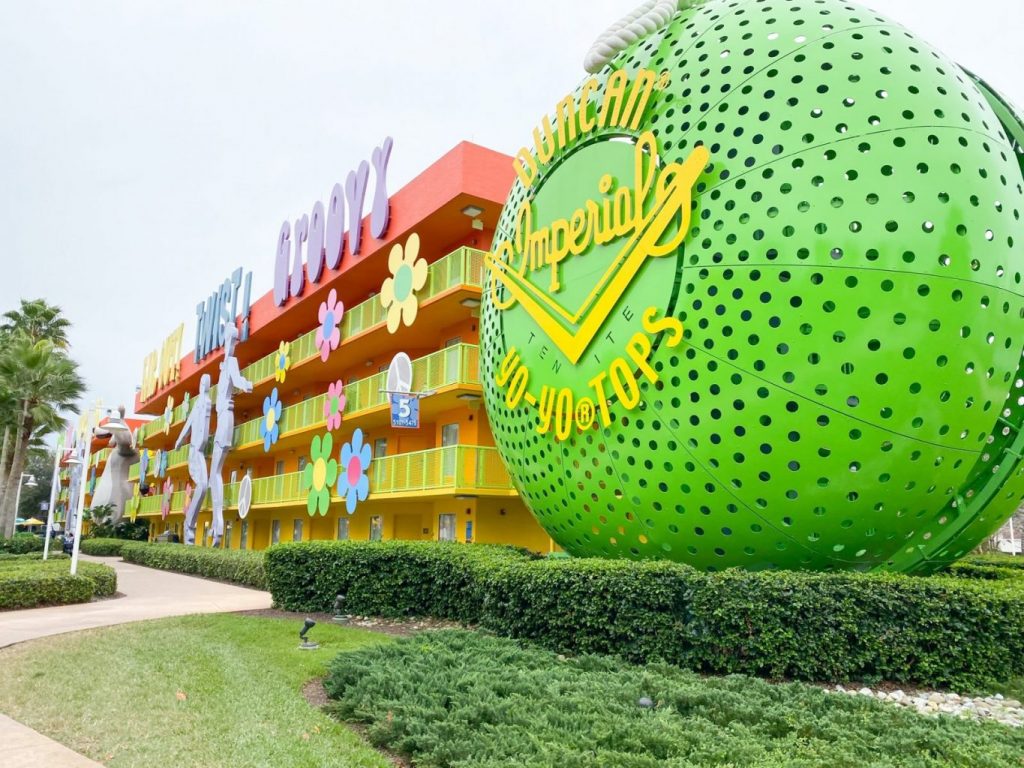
x: 645, y: 703
x: 469, y: 397
x: 472, y: 211
x: 339, y: 607
x: 307, y: 644
x: 471, y: 303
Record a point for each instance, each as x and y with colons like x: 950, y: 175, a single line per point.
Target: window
x: 275, y: 532
x: 380, y: 447
x: 227, y: 535
x: 302, y: 463
x: 297, y: 530
x: 446, y: 527
x: 279, y: 467
x: 469, y: 531
x: 243, y: 536
x: 343, y: 529
x: 376, y: 528
x: 206, y: 534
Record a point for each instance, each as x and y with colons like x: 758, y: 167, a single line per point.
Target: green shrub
x: 21, y: 543
x: 812, y: 626
x: 55, y: 554
x: 385, y: 578
x: 996, y: 560
x: 103, y: 547
x: 462, y: 698
x: 238, y: 566
x: 29, y: 583
x: 126, y: 529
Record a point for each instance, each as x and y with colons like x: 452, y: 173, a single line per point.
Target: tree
x: 40, y: 465
x: 44, y: 382
x: 39, y: 321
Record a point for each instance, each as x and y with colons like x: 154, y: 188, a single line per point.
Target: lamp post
x: 54, y: 488
x: 80, y: 503
x: 30, y: 484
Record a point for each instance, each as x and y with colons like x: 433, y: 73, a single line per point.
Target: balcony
x: 453, y: 366
x: 453, y: 470
x: 462, y: 267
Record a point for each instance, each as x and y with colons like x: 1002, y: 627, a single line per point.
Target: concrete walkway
x: 147, y: 593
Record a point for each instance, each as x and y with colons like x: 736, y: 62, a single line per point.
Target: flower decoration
x: 165, y: 502
x: 270, y: 428
x: 134, y: 503
x: 168, y: 415
x: 143, y: 465
x: 334, y: 404
x: 283, y: 361
x: 189, y: 490
x: 408, y: 275
x: 161, y: 463
x: 92, y: 481
x: 328, y: 335
x: 355, y: 461
x: 320, y: 474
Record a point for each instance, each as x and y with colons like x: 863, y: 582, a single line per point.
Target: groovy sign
x: 322, y: 232
x: 585, y: 285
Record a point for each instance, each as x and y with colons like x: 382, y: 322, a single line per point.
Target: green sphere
x: 846, y: 390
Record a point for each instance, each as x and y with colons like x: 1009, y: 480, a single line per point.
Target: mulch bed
x: 395, y: 627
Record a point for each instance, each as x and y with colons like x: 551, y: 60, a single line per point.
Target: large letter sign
x: 322, y: 232
x: 755, y: 297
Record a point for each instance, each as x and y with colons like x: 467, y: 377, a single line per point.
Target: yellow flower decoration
x: 408, y: 275
x: 168, y: 414
x: 134, y: 503
x: 283, y: 361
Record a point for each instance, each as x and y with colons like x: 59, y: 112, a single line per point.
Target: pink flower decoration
x: 334, y: 404
x: 328, y: 335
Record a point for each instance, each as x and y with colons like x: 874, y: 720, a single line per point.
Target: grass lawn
x: 458, y: 699
x: 198, y: 691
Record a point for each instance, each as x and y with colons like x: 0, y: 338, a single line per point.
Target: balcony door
x: 449, y: 437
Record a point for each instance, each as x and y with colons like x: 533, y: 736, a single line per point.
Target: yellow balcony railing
x: 458, y: 364
x: 464, y: 266
x: 455, y: 467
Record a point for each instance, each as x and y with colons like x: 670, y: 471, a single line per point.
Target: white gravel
x: 1006, y: 711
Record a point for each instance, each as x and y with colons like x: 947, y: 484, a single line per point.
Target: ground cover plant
x: 208, y: 691
x: 27, y: 581
x: 459, y: 698
x: 934, y: 631
x: 238, y: 566
x: 20, y: 543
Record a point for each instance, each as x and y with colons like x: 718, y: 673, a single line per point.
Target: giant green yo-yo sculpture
x: 755, y: 300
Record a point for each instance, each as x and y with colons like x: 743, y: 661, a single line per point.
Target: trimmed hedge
x: 997, y: 560
x: 30, y: 583
x: 103, y: 547
x: 810, y: 626
x: 56, y: 553
x: 238, y: 566
x: 20, y: 543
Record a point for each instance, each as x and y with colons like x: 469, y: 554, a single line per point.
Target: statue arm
x: 239, y: 381
x: 184, y: 430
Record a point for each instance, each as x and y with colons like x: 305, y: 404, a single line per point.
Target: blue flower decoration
x: 92, y: 481
x: 353, y: 483
x: 143, y: 465
x: 270, y: 426
x: 161, y: 463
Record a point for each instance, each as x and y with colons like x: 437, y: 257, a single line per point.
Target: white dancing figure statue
x: 230, y: 380
x: 198, y: 424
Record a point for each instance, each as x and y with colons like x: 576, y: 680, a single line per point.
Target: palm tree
x: 45, y: 382
x: 39, y: 321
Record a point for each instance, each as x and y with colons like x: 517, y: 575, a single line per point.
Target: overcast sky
x: 148, y: 149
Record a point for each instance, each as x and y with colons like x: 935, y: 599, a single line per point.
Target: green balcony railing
x: 99, y: 457
x: 133, y: 472
x: 177, y: 457
x: 451, y: 365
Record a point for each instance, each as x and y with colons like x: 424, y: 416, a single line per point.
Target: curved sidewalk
x: 145, y: 593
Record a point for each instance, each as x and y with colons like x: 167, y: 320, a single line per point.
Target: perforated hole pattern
x: 848, y: 392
